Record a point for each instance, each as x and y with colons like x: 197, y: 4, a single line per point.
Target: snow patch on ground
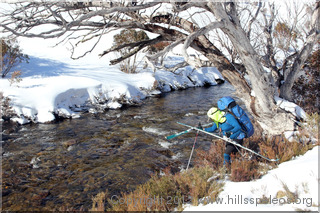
x: 299, y: 175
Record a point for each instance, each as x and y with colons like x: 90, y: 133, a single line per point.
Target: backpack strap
x: 231, y: 105
x: 243, y: 127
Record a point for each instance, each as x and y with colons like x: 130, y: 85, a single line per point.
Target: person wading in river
x: 228, y: 125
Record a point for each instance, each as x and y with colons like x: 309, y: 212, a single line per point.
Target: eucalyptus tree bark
x: 262, y: 84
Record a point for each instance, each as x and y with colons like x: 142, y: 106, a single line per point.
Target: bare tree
x: 194, y: 25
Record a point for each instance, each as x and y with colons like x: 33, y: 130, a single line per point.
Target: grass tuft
x: 244, y: 170
x: 170, y: 191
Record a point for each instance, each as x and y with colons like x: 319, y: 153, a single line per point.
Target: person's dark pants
x: 231, y: 149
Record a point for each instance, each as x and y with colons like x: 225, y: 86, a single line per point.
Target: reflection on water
x: 47, y: 166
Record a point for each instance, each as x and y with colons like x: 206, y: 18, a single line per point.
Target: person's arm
x: 212, y: 128
x: 234, y: 135
x: 236, y: 130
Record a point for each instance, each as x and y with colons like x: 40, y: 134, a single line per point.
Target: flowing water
x: 64, y: 164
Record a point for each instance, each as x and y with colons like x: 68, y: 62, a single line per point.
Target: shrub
x: 11, y: 55
x: 15, y: 77
x: 280, y: 148
x: 244, y: 170
x: 212, y: 157
x: 168, y: 192
x: 284, y: 36
x: 128, y: 65
x: 6, y: 110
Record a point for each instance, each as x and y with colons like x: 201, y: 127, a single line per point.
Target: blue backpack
x: 229, y: 103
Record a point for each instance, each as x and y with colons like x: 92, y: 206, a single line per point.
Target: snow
x: 291, y: 107
x: 53, y: 84
x: 299, y: 175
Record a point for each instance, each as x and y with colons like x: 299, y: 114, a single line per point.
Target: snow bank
x: 55, y: 85
x: 65, y: 90
x: 299, y: 175
x: 186, y: 78
x: 37, y: 99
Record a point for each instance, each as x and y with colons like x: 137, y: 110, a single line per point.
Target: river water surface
x: 66, y: 163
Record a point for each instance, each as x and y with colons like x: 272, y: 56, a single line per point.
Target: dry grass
x: 98, y: 202
x: 244, y: 170
x: 212, y: 157
x: 282, y: 149
x: 169, y: 192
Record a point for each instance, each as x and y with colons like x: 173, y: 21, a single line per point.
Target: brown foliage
x: 129, y: 36
x: 244, y: 170
x: 128, y: 65
x: 283, y: 30
x: 212, y: 157
x: 15, y: 77
x: 11, y: 55
x: 6, y: 110
x: 168, y: 192
x: 284, y: 35
x: 158, y: 46
x: 98, y: 202
x: 280, y: 148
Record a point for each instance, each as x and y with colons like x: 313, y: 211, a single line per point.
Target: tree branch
x: 193, y: 36
x: 165, y: 50
x: 253, y: 19
x: 138, y: 46
x: 28, y: 22
x: 141, y: 44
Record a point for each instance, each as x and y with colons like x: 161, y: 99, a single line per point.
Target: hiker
x: 228, y: 125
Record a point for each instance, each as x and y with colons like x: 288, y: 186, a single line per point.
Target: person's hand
x: 200, y: 126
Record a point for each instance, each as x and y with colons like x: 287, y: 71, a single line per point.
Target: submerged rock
x: 69, y: 143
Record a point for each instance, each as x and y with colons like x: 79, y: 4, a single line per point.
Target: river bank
x: 66, y: 163
x: 49, y: 89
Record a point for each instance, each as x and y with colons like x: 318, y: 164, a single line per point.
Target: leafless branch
x: 165, y: 50
x: 141, y: 44
x: 249, y: 28
x: 193, y: 36
x: 137, y: 46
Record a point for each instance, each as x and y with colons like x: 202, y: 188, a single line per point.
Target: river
x: 66, y: 163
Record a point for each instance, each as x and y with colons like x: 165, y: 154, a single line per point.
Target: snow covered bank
x: 300, y: 176
x: 65, y: 90
x: 54, y: 84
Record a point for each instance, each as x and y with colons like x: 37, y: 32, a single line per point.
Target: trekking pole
x: 192, y: 149
x: 194, y: 143
x: 230, y: 141
x: 186, y: 131
x: 239, y: 152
